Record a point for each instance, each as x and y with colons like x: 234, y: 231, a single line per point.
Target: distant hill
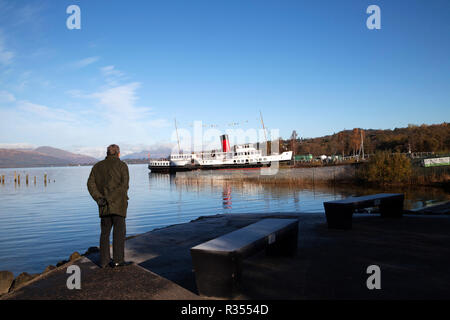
x: 161, y: 152
x: 72, y: 158
x: 42, y: 156
x: 136, y: 155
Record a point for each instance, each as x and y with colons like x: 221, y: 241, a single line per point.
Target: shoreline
x: 304, y: 175
x: 329, y: 175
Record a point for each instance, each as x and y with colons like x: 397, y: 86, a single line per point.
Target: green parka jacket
x: 109, y: 179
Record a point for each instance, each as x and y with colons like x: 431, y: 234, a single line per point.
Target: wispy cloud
x: 159, y: 123
x: 18, y: 145
x: 120, y: 101
x: 18, y: 13
x: 75, y: 93
x: 22, y: 80
x: 113, y: 76
x: 85, y: 62
x: 5, y: 96
x: 45, y: 113
x: 120, y: 106
x: 111, y: 71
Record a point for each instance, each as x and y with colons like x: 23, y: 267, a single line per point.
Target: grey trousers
x: 107, y: 223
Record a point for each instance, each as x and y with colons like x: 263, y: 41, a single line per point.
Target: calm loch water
x: 42, y: 224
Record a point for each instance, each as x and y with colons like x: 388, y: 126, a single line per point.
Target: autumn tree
x: 386, y: 168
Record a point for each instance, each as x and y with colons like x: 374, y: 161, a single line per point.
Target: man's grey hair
x: 113, y: 150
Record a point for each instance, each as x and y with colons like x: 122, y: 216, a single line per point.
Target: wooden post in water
x: 34, y: 179
x: 15, y: 177
x: 26, y: 178
x: 314, y: 180
x: 18, y: 178
x: 45, y: 178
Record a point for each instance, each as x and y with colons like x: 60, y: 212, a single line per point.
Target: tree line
x: 414, y: 138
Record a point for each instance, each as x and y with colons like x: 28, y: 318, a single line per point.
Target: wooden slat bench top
x: 373, y: 197
x: 243, y: 237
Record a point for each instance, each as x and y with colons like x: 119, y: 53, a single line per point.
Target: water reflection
x: 415, y: 197
x: 226, y: 196
x: 162, y: 177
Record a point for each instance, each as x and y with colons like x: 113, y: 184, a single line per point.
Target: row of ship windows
x: 241, y: 161
x: 160, y: 163
x: 244, y: 153
x: 253, y: 160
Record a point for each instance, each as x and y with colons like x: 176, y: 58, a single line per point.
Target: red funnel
x: 225, y: 143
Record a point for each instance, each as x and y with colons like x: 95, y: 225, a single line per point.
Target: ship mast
x: 178, y: 140
x: 262, y: 121
x: 264, y: 128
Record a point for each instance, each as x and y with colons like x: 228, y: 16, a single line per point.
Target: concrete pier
x: 413, y: 254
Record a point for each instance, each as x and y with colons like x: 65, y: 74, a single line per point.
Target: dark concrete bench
x: 339, y: 213
x: 218, y: 263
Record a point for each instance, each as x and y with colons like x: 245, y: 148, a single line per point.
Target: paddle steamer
x: 239, y: 157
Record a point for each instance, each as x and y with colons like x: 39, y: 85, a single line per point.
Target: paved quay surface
x: 413, y: 253
x: 130, y: 282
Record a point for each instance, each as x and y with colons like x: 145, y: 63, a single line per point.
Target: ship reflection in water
x: 237, y: 193
x: 226, y: 196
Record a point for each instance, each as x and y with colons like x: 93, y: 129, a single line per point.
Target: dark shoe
x: 122, y: 264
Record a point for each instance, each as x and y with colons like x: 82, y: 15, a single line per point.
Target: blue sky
x: 134, y: 66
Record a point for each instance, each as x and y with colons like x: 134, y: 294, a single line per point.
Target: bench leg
x: 216, y: 275
x: 338, y: 217
x: 285, y: 244
x: 392, y: 208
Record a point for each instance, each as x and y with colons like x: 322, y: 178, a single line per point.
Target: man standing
x: 108, y: 186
